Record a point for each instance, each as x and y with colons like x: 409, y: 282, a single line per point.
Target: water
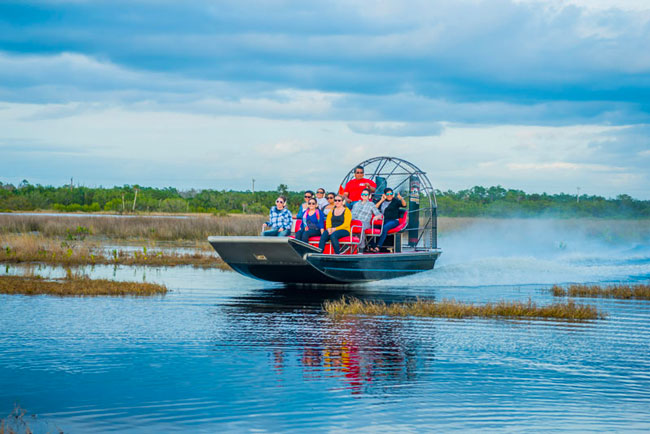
x: 225, y: 353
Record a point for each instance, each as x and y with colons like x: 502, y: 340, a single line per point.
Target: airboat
x: 409, y: 248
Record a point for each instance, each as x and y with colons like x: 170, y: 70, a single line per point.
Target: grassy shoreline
x: 17, y: 249
x: 76, y: 286
x: 456, y: 309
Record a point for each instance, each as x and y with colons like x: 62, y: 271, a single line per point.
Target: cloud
x: 562, y: 166
x: 466, y: 50
x: 541, y: 95
x: 400, y: 129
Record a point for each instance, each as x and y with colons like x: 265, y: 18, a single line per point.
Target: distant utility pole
x: 71, y: 184
x: 578, y: 195
x: 135, y: 198
x: 253, y: 185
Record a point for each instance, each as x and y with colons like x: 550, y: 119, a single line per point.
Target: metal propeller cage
x: 414, y: 186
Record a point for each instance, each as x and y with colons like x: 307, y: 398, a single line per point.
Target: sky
x: 541, y: 96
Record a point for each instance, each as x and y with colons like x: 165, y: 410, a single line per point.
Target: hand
x: 383, y: 197
x: 399, y: 196
x: 264, y: 226
x: 330, y: 230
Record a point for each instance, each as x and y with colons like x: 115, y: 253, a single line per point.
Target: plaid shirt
x: 364, y: 211
x: 279, y: 219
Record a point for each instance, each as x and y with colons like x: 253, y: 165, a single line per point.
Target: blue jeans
x: 388, y: 225
x: 304, y: 235
x: 333, y: 238
x: 275, y: 232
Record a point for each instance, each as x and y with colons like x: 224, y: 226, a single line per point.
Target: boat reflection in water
x: 367, y: 354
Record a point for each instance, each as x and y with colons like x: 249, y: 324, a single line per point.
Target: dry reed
x: 456, y: 309
x: 35, y: 248
x: 139, y: 228
x: 640, y: 291
x: 74, y: 285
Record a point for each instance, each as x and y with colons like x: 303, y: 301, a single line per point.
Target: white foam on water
x: 523, y: 252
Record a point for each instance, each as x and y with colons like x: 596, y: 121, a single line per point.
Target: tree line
x: 476, y: 201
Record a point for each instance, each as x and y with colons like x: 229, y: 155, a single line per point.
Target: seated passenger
x: 303, y: 207
x: 337, y: 225
x: 390, y: 207
x: 363, y: 211
x: 352, y: 190
x: 279, y: 224
x: 313, y: 222
x: 330, y: 203
x: 320, y: 198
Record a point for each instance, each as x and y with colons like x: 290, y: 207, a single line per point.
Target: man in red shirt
x: 354, y: 187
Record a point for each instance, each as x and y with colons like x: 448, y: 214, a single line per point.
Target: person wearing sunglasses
x: 313, y: 222
x: 320, y: 198
x: 354, y: 187
x: 303, y: 207
x: 363, y: 211
x: 389, y: 206
x: 337, y: 225
x: 330, y: 204
x: 279, y: 224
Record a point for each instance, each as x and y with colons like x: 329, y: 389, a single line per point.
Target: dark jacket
x: 392, y: 210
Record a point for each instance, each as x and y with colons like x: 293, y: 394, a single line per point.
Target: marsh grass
x: 640, y: 291
x: 456, y: 309
x: 162, y: 228
x: 76, y: 285
x: 15, y: 422
x: 35, y: 248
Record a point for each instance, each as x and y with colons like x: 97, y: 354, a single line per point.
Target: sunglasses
x: 338, y: 200
x: 312, y: 203
x: 330, y: 197
x: 308, y: 196
x: 364, y: 194
x: 278, y: 201
x: 390, y: 194
x: 320, y: 192
x: 359, y: 173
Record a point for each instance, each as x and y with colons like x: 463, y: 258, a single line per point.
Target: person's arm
x: 399, y: 196
x: 321, y: 222
x: 328, y: 221
x: 300, y: 212
x: 268, y: 223
x: 286, y: 219
x: 383, y: 198
x: 370, y: 185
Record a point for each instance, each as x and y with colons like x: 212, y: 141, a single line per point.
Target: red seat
x: 403, y: 221
x: 296, y: 227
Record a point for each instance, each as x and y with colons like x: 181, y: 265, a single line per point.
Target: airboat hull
x: 282, y: 259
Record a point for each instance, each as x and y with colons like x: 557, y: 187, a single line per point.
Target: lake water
x: 221, y: 352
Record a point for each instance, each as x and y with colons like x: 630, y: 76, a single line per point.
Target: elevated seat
x: 403, y: 221
x: 378, y: 221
